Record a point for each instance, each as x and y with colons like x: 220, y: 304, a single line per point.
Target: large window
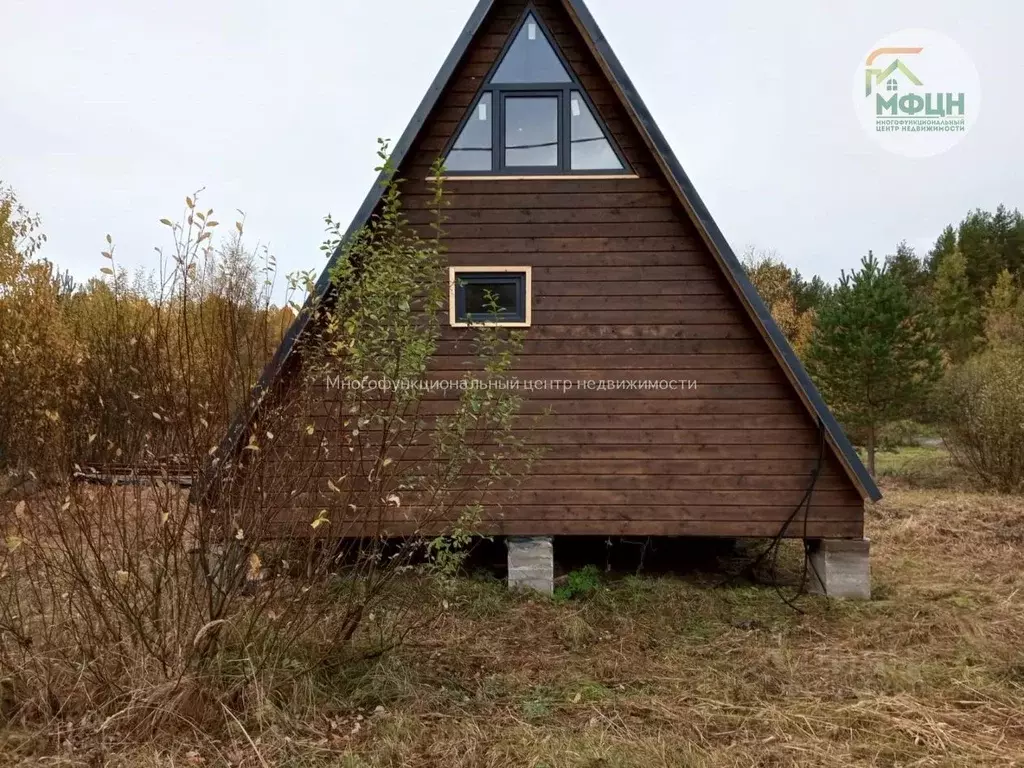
x: 532, y: 116
x: 489, y: 296
x: 531, y: 131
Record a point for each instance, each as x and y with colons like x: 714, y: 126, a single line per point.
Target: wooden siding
x: 624, y: 289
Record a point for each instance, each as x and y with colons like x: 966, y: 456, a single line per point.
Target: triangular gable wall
x: 653, y: 160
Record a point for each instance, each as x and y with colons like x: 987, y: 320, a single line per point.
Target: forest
x: 910, y: 345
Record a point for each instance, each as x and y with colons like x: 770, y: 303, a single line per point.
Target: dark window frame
x: 499, y: 91
x: 462, y: 277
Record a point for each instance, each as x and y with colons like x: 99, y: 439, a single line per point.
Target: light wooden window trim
x: 453, y: 273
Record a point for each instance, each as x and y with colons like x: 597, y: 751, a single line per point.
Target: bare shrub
x: 983, y: 417
x: 122, y: 604
x: 128, y: 604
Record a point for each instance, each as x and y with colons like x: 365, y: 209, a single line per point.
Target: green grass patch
x: 580, y: 584
x: 920, y: 466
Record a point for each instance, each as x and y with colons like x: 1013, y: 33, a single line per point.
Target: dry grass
x: 667, y: 672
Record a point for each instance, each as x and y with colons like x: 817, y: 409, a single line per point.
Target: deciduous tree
x: 1004, y: 314
x: 958, y: 319
x: 775, y: 283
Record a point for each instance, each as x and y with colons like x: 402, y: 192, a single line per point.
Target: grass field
x: 665, y: 671
x: 923, y: 467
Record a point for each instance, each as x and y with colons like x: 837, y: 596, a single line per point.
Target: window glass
x: 472, y: 151
x: 531, y: 131
x: 591, y: 150
x: 479, y: 295
x: 490, y: 297
x: 532, y: 116
x: 530, y: 58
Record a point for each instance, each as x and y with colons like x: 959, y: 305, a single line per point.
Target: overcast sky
x: 113, y: 110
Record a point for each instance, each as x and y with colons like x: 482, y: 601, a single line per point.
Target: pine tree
x: 872, y: 354
x: 990, y: 242
x: 909, y: 269
x: 809, y: 294
x: 944, y: 245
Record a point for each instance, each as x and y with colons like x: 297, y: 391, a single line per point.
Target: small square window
x: 490, y: 296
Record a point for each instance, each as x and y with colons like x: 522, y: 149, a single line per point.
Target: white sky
x: 113, y: 110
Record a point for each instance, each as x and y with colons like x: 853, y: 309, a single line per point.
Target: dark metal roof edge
x: 728, y: 257
x: 240, y: 424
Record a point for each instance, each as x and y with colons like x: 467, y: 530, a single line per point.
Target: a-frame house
x: 567, y: 201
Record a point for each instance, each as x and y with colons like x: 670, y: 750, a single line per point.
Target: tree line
x: 937, y: 339
x: 79, y: 362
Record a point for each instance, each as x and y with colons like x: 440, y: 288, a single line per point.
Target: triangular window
x: 473, y: 149
x: 530, y: 58
x: 591, y: 149
x: 532, y: 116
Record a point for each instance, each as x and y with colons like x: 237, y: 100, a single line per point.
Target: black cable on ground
x: 772, y: 550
